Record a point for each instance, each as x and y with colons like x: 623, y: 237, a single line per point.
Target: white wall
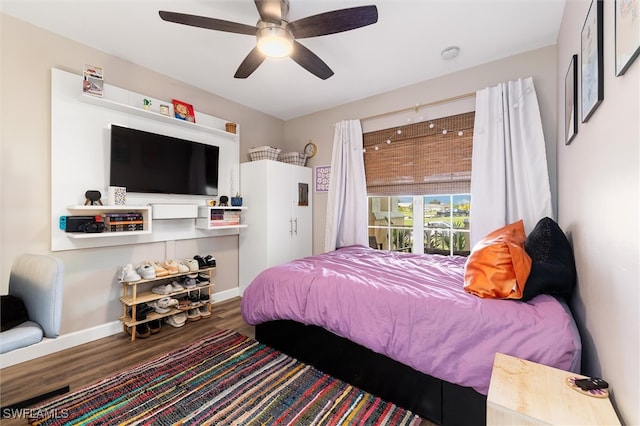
x: 91, y: 293
x: 598, y: 187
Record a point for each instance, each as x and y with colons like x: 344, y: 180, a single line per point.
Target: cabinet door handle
x: 296, y: 227
x: 291, y: 226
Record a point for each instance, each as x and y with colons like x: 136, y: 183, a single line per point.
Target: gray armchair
x: 38, y: 281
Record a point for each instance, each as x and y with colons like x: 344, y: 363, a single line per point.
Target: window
x: 419, y: 183
x: 442, y: 228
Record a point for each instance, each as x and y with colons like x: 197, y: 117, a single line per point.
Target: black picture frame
x: 592, y: 60
x: 571, y: 101
x: 627, y: 34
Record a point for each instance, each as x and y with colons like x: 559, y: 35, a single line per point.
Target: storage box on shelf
x: 142, y: 213
x: 132, y: 296
x: 264, y: 153
x: 219, y: 217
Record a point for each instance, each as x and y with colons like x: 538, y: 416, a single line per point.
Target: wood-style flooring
x: 85, y: 364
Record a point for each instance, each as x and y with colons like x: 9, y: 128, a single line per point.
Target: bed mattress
x: 413, y: 309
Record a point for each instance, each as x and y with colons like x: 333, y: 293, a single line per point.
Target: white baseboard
x: 48, y: 346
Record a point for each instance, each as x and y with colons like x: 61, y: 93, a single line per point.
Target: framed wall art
x: 571, y: 101
x: 592, y: 66
x: 323, y: 174
x: 627, y: 34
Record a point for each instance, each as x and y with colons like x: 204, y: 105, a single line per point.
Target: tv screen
x: 152, y: 163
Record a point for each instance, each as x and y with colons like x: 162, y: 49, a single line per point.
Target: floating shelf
x: 117, y: 106
x: 96, y: 210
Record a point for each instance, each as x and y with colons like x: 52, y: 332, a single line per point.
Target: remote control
x: 591, y: 383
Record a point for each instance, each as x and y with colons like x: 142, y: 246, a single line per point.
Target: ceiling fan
x: 276, y: 36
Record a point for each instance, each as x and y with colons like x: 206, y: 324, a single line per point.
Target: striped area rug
x: 223, y: 379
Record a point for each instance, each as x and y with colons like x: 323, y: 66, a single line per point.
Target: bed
x: 401, y: 325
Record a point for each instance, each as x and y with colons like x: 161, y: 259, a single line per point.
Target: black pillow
x: 553, y: 269
x: 12, y: 312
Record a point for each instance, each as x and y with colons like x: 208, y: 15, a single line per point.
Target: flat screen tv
x: 152, y: 163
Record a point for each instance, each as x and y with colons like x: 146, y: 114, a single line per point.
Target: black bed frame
x: 436, y: 400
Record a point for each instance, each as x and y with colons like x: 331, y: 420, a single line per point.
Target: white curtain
x: 509, y: 176
x: 347, y: 199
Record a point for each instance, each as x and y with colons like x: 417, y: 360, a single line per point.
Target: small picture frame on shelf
x: 183, y: 111
x: 93, y: 80
x: 164, y: 110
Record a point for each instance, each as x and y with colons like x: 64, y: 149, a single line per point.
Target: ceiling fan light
x: 275, y: 41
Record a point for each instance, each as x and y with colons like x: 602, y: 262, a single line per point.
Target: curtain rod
x: 416, y: 108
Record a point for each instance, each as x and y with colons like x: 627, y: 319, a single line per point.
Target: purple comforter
x: 413, y: 309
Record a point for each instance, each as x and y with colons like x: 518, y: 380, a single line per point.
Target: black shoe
x: 155, y: 326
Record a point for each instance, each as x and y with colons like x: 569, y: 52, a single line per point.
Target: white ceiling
x: 402, y: 48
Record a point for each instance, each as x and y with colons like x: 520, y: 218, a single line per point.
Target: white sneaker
x: 193, y: 314
x: 129, y: 275
x: 163, y: 289
x: 176, y: 286
x: 192, y: 264
x: 182, y: 267
x: 146, y: 271
x: 177, y: 320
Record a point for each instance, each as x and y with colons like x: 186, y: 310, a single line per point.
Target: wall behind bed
x: 598, y: 189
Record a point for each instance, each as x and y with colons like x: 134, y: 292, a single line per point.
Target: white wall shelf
x: 128, y: 109
x: 80, y: 160
x: 98, y: 210
x: 204, y: 220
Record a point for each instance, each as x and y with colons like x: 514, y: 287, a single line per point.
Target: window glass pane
x: 445, y: 218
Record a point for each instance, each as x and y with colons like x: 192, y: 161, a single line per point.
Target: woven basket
x: 297, y: 158
x: 264, y: 153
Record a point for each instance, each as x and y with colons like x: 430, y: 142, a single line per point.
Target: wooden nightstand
x: 526, y: 393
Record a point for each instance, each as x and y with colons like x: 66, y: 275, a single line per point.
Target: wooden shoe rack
x: 135, y: 293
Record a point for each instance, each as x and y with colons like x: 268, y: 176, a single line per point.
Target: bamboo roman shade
x: 421, y: 159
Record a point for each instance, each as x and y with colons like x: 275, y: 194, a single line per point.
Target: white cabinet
x: 279, y: 216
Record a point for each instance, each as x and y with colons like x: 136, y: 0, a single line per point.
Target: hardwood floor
x: 85, y: 364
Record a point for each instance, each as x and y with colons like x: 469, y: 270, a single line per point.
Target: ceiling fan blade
x: 270, y: 10
x: 310, y: 61
x: 334, y: 22
x: 250, y: 63
x: 208, y: 23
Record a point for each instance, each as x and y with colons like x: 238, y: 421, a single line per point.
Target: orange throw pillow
x: 498, y: 266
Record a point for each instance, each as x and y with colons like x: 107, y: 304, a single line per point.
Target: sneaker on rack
x: 160, y: 270
x: 146, y: 271
x: 204, y: 311
x: 129, y: 275
x: 177, y: 320
x: 192, y: 264
x: 204, y: 297
x: 210, y: 261
x: 159, y: 306
x: 202, y: 279
x: 193, y: 314
x: 162, y: 289
x: 191, y: 282
x: 176, y: 286
x: 182, y: 267
x: 171, y: 266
